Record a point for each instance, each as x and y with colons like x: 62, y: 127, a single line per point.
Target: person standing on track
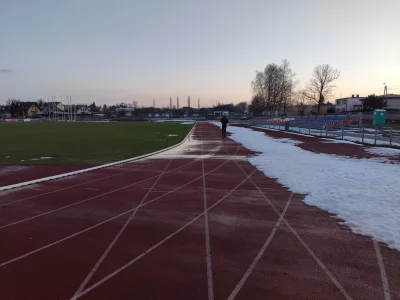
x: 224, y: 121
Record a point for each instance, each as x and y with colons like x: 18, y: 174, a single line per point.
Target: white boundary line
x: 206, y: 229
x: 21, y: 184
x: 75, y: 185
x: 114, y: 241
x: 313, y: 255
x: 260, y: 253
x: 109, y: 220
x: 155, y: 246
x: 385, y: 282
x: 91, y: 198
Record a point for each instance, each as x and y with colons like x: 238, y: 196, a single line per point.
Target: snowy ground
x: 362, y: 192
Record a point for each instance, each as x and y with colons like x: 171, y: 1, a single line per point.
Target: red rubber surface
x: 163, y: 249
x: 11, y: 174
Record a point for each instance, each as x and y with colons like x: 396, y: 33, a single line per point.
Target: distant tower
x: 198, y: 103
x: 170, y: 102
x: 189, y: 101
x: 154, y: 103
x: 177, y: 102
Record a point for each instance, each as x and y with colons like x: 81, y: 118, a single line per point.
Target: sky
x: 123, y: 51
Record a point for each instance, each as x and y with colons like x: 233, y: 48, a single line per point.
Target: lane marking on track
x: 207, y: 231
x: 385, y: 282
x: 260, y: 253
x: 137, y: 258
x: 76, y: 185
x: 109, y: 220
x: 116, y: 238
x: 89, y: 199
x: 313, y: 255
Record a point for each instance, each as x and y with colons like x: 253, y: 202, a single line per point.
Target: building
x: 83, y: 110
x: 392, y: 101
x: 4, y: 112
x: 349, y: 104
x: 28, y: 110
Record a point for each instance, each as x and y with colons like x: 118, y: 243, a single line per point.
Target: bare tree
x: 321, y: 84
x: 274, y: 86
x: 241, y: 107
x: 301, y: 102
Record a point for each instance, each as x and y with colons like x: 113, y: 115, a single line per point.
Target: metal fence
x: 349, y: 129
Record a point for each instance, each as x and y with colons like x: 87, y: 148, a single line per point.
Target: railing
x: 349, y: 129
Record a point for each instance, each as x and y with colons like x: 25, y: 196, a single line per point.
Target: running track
x: 197, y: 222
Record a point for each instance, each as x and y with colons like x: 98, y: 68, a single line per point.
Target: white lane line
x: 114, y: 241
x: 313, y: 255
x: 116, y: 272
x: 260, y: 253
x: 104, y: 222
x: 385, y: 282
x: 207, y: 230
x: 75, y: 185
x: 83, y: 201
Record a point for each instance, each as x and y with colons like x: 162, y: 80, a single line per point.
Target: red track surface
x: 183, y: 226
x: 10, y: 174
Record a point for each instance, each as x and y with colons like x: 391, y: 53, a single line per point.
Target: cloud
x: 6, y: 71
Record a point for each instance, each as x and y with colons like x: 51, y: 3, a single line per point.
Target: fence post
x: 376, y: 131
x: 362, y: 136
x: 391, y: 133
x: 342, y: 132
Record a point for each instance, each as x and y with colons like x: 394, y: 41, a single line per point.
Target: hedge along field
x: 87, y: 143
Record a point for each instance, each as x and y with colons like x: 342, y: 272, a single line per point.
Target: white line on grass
x: 21, y: 184
x: 100, y: 261
x: 385, y: 282
x: 116, y: 272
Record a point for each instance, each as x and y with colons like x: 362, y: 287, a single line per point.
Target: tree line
x: 274, y: 88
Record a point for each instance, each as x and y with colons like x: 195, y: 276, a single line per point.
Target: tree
x: 257, y: 105
x: 301, y: 103
x: 12, y: 105
x: 274, y: 86
x: 241, y: 107
x: 40, y: 103
x: 373, y: 102
x: 321, y: 84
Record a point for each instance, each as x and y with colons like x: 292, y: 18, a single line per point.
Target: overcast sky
x: 123, y: 51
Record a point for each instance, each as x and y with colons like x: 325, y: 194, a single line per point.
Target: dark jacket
x: 224, y: 120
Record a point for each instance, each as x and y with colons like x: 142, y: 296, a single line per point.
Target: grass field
x: 84, y: 143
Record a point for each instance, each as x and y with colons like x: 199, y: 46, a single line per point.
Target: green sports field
x: 84, y: 143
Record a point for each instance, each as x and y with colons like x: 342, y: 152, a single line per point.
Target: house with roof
x: 27, y: 110
x: 83, y: 110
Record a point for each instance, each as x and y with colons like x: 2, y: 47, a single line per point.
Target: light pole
x: 385, y: 95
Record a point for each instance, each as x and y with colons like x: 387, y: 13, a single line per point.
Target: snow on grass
x: 364, y: 193
x: 187, y: 123
x: 383, y: 151
x: 172, y: 135
x: 43, y: 157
